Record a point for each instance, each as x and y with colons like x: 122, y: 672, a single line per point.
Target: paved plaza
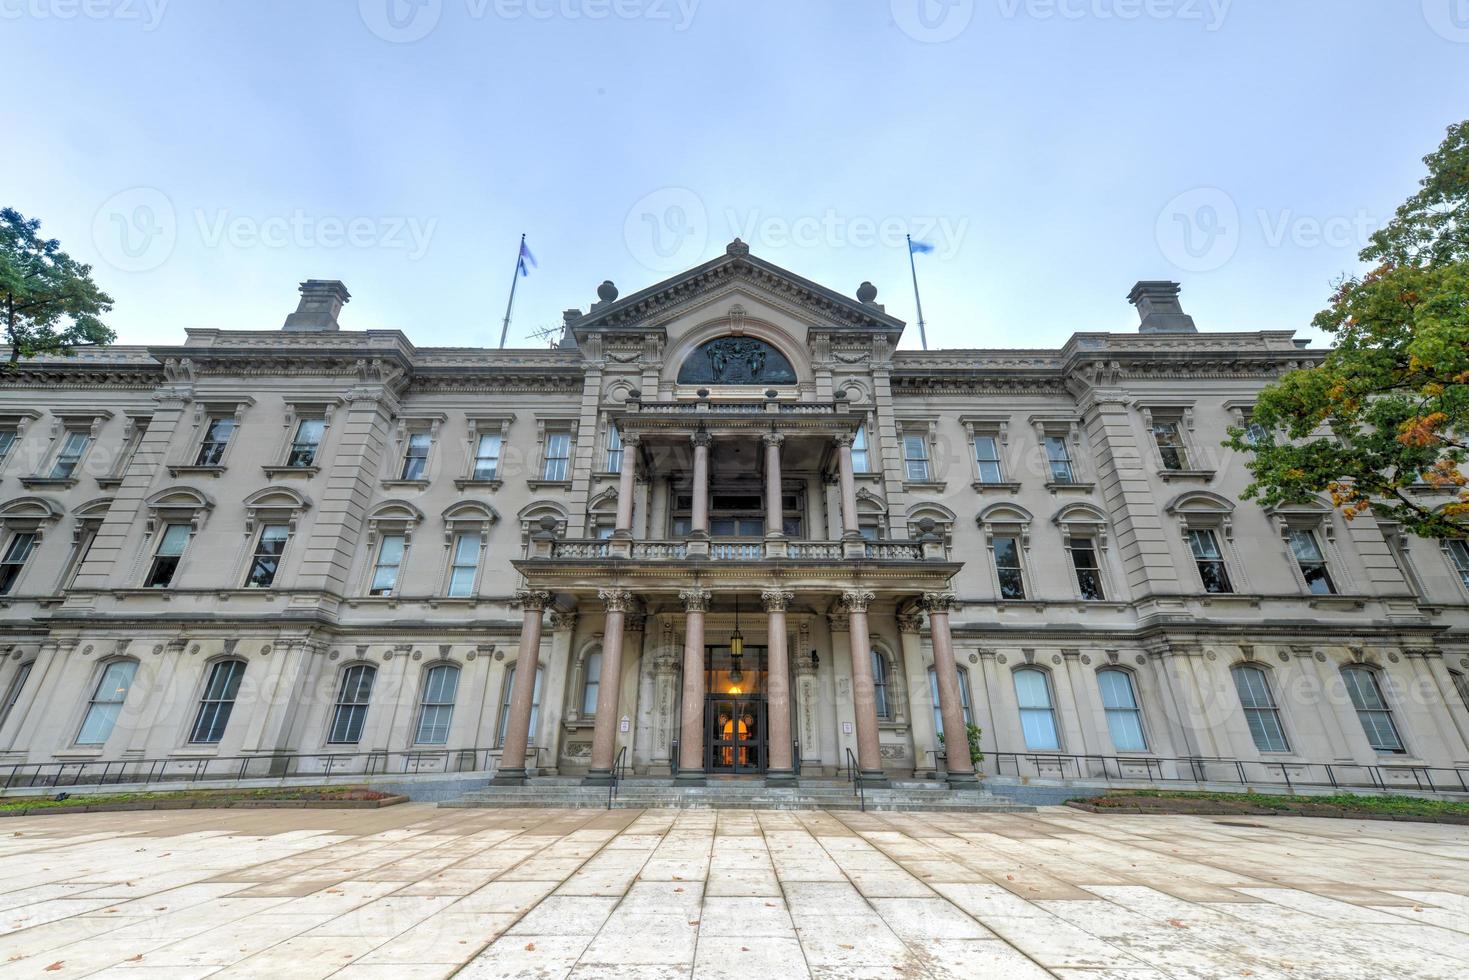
x: 415, y: 891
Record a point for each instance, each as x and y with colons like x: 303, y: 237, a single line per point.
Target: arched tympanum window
x: 736, y: 361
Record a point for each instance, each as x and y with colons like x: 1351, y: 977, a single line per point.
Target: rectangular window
x: 464, y: 564
x: 218, y: 702
x: 614, y: 450
x: 1058, y: 456
x: 415, y: 456
x: 880, y: 686
x: 987, y: 458
x: 1459, y: 556
x: 23, y: 673
x: 1124, y: 720
x: 915, y: 457
x: 7, y: 443
x: 22, y: 543
x: 861, y: 457
x: 535, y: 707
x: 353, y: 698
x: 308, y: 440
x: 1170, y: 445
x: 1037, y: 719
x: 1256, y: 434
x: 216, y: 441
x: 1007, y: 565
x: 73, y: 444
x: 1088, y: 572
x: 1372, y: 710
x: 591, y: 684
x: 389, y: 561
x: 436, y: 710
x: 487, y: 456
x: 267, y: 559
x: 557, y: 465
x: 1307, y: 549
x: 1461, y: 684
x: 933, y: 693
x: 106, y: 703
x: 1261, y: 713
x: 171, y: 545
x: 1205, y: 548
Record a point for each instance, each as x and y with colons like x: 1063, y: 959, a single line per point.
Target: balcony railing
x: 744, y: 549
x: 707, y: 407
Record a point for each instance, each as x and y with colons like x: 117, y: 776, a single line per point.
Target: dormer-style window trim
x: 175, y: 505
x: 1082, y: 520
x: 32, y: 515
x: 468, y: 515
x: 403, y: 472
x: 395, y: 516
x: 391, y: 519
x: 209, y: 415
x: 917, y: 438
x: 470, y: 520
x: 135, y: 427
x: 303, y: 418
x: 275, y: 505
x: 1308, y: 536
x: 531, y: 515
x: 1169, y: 425
x: 554, y: 470
x: 991, y: 471
x: 1003, y: 523
x: 1213, y: 514
x: 482, y: 428
x: 13, y: 427
x: 943, y: 518
x: 1058, y: 437
x: 73, y: 435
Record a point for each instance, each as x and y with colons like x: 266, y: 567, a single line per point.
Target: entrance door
x: 735, y: 734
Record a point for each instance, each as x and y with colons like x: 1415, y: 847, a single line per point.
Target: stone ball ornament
x: 866, y: 293
x: 607, y: 292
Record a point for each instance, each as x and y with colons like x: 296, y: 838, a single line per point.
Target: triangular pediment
x: 741, y: 278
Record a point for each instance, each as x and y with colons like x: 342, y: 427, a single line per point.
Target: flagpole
x: 922, y: 330
x: 514, y: 281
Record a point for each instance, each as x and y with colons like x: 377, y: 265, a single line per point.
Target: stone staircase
x: 647, y: 792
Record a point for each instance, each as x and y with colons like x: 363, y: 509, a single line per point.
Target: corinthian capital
x: 857, y: 600
x: 531, y: 600
x: 774, y: 439
x: 695, y: 600
x: 616, y: 600
x: 702, y: 438
x: 939, y: 602
x: 777, y: 600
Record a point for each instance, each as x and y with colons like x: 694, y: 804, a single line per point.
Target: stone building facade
x: 733, y: 529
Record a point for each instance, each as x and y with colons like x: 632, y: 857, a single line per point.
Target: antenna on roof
x: 548, y: 334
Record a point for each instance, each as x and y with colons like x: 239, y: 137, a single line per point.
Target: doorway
x: 735, y: 736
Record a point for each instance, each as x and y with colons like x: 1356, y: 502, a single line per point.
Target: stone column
x: 850, y: 528
x: 774, y: 512
x: 807, y: 704
x: 691, y: 731
x: 699, y: 522
x: 522, y: 695
x: 956, y: 735
x: 604, y: 736
x: 627, y: 486
x: 864, y: 695
x: 780, y: 768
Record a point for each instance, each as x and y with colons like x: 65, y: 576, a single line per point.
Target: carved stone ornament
x: 736, y: 361
x: 939, y: 602
x: 1086, y: 659
x: 695, y: 600
x: 563, y: 620
x: 531, y: 600
x: 910, y: 623
x: 265, y: 650
x: 1141, y: 660
x: 777, y: 600
x: 1320, y: 657
x: 1002, y: 659
x: 974, y: 658
x: 857, y: 600
x: 1392, y: 657
x: 616, y: 600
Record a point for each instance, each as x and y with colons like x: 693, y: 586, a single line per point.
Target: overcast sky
x: 206, y: 157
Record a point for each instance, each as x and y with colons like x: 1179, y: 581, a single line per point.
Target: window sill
x: 405, y: 484
x: 109, y: 482
x: 1203, y: 476
x: 276, y: 472
x: 928, y: 486
x: 79, y: 753
x: 1337, y: 601
x: 48, y: 482
x: 1003, y: 487
x: 1056, y: 487
x: 214, y: 471
x: 548, y: 484
x: 471, y: 484
x: 195, y: 751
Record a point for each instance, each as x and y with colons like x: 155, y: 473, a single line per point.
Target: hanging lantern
x: 736, y: 648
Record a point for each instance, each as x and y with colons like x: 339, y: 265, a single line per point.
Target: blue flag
x: 525, y: 257
x: 919, y: 248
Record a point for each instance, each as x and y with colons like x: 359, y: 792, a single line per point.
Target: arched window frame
x: 14, y: 688
x: 1001, y: 521
x: 1370, y: 699
x: 97, y: 700
x: 1031, y: 714
x: 1201, y: 510
x: 587, y: 687
x: 1262, y: 718
x: 351, y: 706
x: 1123, y: 718
x: 882, y: 691
x: 467, y: 517
x: 507, y: 688
x: 435, y: 714
x: 215, y: 704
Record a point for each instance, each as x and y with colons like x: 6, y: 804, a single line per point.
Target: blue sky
x: 206, y: 157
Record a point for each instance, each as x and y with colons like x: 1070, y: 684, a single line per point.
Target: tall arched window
x: 1461, y: 684
x: 353, y: 697
x: 1372, y: 710
x: 1037, y: 716
x: 218, y: 701
x: 107, y: 701
x: 1124, y: 719
x: 535, y: 704
x: 933, y: 690
x: 591, y: 683
x: 436, y: 705
x: 880, y: 690
x: 1258, y: 703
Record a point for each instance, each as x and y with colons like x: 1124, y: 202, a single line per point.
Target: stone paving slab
x: 418, y: 891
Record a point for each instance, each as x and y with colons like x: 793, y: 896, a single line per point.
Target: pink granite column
x: 691, y: 731
x: 951, y: 704
x: 864, y: 693
x: 700, y: 516
x: 604, y: 736
x: 522, y: 695
x: 627, y: 486
x: 850, y: 527
x: 774, y: 512
x: 779, y: 768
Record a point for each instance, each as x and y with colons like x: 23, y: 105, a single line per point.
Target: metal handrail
x: 618, y: 765
x: 854, y: 775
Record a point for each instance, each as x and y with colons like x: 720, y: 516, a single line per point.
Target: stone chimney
x: 321, y: 302
x: 1157, y: 304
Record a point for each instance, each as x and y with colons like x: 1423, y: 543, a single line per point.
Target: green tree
x: 48, y: 299
x: 1387, y: 410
